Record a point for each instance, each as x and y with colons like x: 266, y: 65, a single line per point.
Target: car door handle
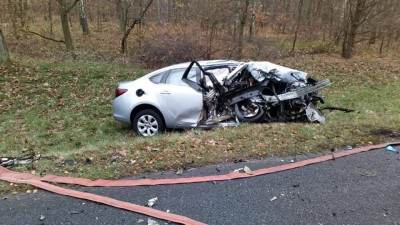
x: 165, y: 92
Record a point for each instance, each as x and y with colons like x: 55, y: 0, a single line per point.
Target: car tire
x: 148, y: 123
x: 258, y: 117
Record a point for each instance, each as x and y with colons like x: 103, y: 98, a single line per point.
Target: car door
x: 181, y: 103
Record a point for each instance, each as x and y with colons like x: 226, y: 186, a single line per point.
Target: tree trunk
x: 50, y: 16
x: 300, y: 9
x: 381, y: 46
x: 64, y: 10
x: 348, y: 44
x: 22, y: 6
x: 13, y: 12
x: 159, y: 8
x: 357, y: 13
x: 252, y: 21
x: 66, y: 31
x: 242, y: 23
x: 83, y: 17
x: 4, y: 54
x: 122, y: 13
x: 98, y: 19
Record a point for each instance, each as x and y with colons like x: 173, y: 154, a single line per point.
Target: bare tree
x: 4, y: 54
x: 83, y: 17
x: 65, y: 8
x: 132, y: 25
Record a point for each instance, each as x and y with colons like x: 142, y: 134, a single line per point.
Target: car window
x: 175, y: 76
x: 157, y: 78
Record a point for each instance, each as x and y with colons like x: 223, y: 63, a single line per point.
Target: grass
x: 62, y: 111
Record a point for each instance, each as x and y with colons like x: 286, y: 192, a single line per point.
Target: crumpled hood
x: 260, y: 70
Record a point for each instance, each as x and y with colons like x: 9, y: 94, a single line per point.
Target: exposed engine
x: 258, y: 92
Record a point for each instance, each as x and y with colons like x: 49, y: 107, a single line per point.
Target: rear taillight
x: 120, y: 91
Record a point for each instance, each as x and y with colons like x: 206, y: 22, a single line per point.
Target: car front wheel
x: 148, y: 123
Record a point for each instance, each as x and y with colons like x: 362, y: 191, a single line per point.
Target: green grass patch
x: 62, y: 111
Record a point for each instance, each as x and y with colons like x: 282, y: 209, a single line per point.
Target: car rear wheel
x: 148, y: 123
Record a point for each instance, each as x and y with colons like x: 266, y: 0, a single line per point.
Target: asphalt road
x: 362, y: 189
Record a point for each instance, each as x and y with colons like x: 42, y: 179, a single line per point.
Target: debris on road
x: 152, y: 202
x: 238, y: 170
x: 179, y: 172
x: 391, y: 148
x: 152, y: 222
x: 41, y: 218
x: 246, y: 169
x: 75, y: 212
x: 273, y: 198
x: 366, y: 173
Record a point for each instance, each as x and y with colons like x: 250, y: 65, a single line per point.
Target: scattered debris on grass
x: 16, y: 161
x: 273, y: 198
x: 239, y: 160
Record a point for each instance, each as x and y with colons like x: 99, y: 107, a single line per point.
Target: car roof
x: 202, y: 63
x: 206, y: 63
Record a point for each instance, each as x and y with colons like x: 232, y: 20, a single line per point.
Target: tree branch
x: 42, y: 36
x: 133, y: 24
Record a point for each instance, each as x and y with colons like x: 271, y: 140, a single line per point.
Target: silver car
x: 216, y: 93
x: 161, y: 99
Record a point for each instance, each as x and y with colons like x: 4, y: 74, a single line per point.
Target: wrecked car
x: 215, y: 93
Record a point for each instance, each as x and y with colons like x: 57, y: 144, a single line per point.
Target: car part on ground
x: 16, y: 161
x: 258, y: 92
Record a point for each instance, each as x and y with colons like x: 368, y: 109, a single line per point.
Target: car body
x: 178, y: 103
x: 203, y: 93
